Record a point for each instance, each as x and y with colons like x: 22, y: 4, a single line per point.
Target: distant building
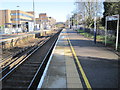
x: 13, y: 17
x: 45, y: 22
x: 43, y: 16
x: 42, y: 20
x: 31, y: 12
x: 51, y: 22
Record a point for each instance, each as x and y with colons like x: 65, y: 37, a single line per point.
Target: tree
x: 88, y: 9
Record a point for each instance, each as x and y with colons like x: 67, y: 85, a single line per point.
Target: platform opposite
x: 62, y: 72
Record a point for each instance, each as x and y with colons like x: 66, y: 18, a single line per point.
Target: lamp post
x: 95, y: 29
x: 95, y: 26
x: 16, y: 20
x: 70, y: 23
x: 41, y: 26
x: 34, y: 14
x: 77, y: 17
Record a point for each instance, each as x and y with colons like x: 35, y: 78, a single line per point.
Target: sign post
x: 117, y: 36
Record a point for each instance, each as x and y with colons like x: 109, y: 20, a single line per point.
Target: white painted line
x: 46, y: 68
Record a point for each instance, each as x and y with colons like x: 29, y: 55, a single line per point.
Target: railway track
x: 18, y: 58
x: 12, y: 58
x: 27, y: 73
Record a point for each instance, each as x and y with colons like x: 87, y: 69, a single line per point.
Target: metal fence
x: 99, y: 32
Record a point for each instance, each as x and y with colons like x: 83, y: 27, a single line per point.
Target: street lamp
x: 95, y: 26
x: 71, y: 22
x: 34, y: 14
x: 16, y: 20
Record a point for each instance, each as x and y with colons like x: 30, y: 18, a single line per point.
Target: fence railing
x: 10, y: 30
x: 99, y: 32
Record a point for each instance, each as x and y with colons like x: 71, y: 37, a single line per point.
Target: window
x: 21, y: 14
x: 15, y: 19
x: 19, y: 19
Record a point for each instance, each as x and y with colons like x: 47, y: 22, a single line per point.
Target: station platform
x: 61, y: 71
x: 77, y: 62
x: 7, y: 37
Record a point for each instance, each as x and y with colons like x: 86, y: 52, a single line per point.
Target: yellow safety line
x: 80, y: 67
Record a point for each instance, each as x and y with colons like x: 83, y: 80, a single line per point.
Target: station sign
x: 112, y: 18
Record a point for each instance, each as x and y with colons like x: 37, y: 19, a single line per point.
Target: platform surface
x: 98, y: 65
x: 62, y: 72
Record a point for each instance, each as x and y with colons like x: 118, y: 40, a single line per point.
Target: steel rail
x: 26, y: 55
x: 41, y: 64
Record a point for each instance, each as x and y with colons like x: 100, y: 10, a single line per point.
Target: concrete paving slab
x: 57, y: 63
x: 71, y: 70
x: 73, y: 80
x: 55, y: 70
x: 54, y: 82
x: 72, y: 74
x: 69, y: 62
x: 74, y: 85
x: 58, y: 58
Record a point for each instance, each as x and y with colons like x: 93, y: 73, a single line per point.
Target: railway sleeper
x: 20, y: 76
x: 14, y: 88
x: 26, y: 68
x: 22, y: 69
x: 16, y: 84
x: 27, y: 71
x: 25, y: 77
x: 31, y: 65
x: 17, y: 81
x: 24, y: 72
